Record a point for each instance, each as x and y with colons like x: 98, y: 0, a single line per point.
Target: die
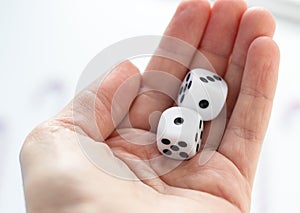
x: 179, y: 133
x: 204, y: 92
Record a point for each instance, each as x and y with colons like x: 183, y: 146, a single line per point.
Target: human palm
x: 58, y: 177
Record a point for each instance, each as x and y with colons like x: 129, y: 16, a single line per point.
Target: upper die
x: 179, y: 133
x: 203, y: 91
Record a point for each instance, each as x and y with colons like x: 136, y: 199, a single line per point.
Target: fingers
x: 188, y: 24
x: 247, y: 126
x: 99, y: 108
x: 221, y: 31
x: 255, y: 22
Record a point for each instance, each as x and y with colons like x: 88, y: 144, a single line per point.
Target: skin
x: 238, y: 42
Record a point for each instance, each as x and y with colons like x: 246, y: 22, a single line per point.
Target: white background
x: 45, y: 45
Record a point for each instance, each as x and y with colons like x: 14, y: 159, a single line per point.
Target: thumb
x: 100, y: 107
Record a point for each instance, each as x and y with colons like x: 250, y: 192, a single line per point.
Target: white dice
x: 179, y: 133
x: 204, y: 92
x: 201, y: 97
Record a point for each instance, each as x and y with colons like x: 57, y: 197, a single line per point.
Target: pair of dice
x: 201, y: 97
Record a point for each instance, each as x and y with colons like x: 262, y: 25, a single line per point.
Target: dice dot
x: 190, y: 84
x: 178, y: 121
x: 188, y: 77
x: 182, y: 144
x: 197, y: 148
x: 203, y: 80
x: 180, y: 91
x: 210, y: 78
x: 165, y: 141
x: 217, y: 78
x: 174, y: 148
x: 201, y: 135
x: 203, y: 104
x: 196, y: 137
x: 183, y: 155
x: 185, y: 87
x: 167, y: 152
x: 182, y: 98
x: 200, y: 124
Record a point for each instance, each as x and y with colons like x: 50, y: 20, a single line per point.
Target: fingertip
x: 191, y: 7
x: 261, y: 71
x: 190, y: 4
x: 240, y: 5
x: 127, y: 67
x: 127, y: 75
x: 265, y: 46
x: 261, y: 17
x: 189, y: 21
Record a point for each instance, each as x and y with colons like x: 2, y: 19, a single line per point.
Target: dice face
x: 179, y: 133
x: 204, y: 92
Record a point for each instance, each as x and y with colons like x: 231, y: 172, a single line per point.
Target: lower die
x: 179, y: 133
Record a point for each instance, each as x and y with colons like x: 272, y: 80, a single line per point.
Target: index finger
x: 188, y: 24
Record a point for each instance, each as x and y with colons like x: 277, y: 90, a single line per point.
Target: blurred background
x: 45, y: 45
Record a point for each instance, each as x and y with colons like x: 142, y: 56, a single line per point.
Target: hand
x: 58, y: 177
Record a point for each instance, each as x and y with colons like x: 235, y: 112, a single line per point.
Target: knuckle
x: 246, y: 133
x: 255, y: 93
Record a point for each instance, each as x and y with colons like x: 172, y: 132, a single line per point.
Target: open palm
x: 59, y: 178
